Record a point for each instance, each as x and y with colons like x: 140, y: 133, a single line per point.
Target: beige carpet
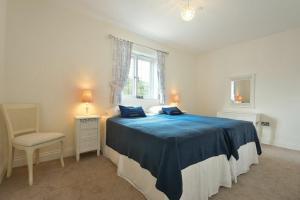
x: 277, y: 177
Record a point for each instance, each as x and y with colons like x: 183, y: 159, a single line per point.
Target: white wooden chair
x: 22, y: 121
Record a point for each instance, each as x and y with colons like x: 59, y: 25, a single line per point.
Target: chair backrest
x: 21, y: 119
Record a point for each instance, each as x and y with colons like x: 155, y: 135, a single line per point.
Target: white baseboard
x: 20, y: 160
x: 285, y: 145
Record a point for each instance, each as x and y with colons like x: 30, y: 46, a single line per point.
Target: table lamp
x: 87, y: 97
x: 175, y: 99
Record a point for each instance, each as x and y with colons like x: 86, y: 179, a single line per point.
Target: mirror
x: 242, y: 91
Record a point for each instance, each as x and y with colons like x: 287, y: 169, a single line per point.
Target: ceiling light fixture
x: 188, y: 12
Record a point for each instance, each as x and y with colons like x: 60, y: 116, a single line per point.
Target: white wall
x: 2, y: 50
x: 2, y: 45
x: 275, y: 60
x: 53, y: 51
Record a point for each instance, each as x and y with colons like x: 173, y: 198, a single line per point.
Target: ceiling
x: 219, y: 23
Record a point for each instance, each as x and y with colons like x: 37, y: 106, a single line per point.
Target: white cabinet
x: 87, y: 136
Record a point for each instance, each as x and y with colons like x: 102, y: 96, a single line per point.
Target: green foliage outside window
x: 142, y: 89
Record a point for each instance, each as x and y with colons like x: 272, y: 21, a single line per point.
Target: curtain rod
x: 112, y: 36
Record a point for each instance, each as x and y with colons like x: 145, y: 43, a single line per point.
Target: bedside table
x: 87, y: 135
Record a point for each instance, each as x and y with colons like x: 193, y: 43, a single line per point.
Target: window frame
x: 136, y: 57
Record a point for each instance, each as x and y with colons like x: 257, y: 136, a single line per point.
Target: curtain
x: 161, y: 56
x: 121, y: 65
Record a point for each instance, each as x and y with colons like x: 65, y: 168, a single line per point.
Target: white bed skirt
x: 200, y: 180
x: 247, y: 157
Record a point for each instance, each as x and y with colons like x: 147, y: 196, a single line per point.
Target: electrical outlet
x: 265, y: 123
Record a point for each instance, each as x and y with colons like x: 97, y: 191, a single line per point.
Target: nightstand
x: 87, y: 136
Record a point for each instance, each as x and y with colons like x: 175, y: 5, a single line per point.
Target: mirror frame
x: 250, y: 77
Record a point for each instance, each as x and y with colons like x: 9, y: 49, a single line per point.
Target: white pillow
x: 114, y: 111
x: 157, y: 109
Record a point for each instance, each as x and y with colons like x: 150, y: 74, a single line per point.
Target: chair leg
x: 29, y: 156
x: 62, y: 153
x: 37, y: 157
x: 11, y: 152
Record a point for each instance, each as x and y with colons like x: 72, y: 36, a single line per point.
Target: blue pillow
x: 129, y: 111
x: 172, y: 111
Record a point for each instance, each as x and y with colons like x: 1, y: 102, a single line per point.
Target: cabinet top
x: 86, y: 116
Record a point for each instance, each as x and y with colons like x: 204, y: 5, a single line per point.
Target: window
x: 142, y: 78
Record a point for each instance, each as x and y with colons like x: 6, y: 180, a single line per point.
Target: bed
x: 180, y: 157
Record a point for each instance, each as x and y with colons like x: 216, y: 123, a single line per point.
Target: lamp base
x: 86, y: 109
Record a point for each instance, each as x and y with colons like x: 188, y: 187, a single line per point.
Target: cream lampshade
x: 87, y: 97
x: 175, y: 99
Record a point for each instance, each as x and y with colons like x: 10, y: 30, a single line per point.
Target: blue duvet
x: 165, y: 144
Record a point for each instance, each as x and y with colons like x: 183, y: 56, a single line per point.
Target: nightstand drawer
x: 87, y: 133
x: 88, y: 123
x: 88, y: 145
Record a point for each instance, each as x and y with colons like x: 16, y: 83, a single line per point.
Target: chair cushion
x: 33, y: 139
